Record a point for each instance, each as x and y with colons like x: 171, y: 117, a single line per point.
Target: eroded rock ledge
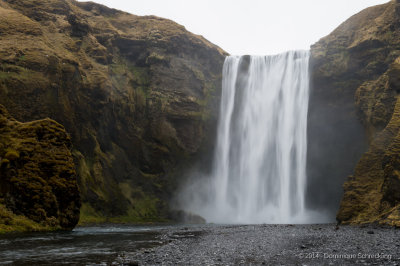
x: 356, y: 72
x: 38, y: 185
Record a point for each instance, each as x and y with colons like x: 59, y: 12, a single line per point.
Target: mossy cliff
x: 138, y: 95
x: 38, y: 185
x: 355, y: 113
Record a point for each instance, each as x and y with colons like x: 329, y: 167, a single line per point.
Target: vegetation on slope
x: 356, y: 81
x: 137, y: 94
x: 38, y: 185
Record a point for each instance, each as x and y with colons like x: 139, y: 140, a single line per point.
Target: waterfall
x: 259, y: 171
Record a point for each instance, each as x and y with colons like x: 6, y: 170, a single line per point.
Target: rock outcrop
x: 138, y: 95
x: 38, y: 184
x: 355, y: 109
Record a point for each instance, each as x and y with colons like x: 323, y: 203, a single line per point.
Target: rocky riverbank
x: 271, y: 245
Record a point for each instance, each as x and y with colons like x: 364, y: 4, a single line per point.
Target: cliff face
x: 38, y: 186
x: 138, y: 94
x: 356, y: 81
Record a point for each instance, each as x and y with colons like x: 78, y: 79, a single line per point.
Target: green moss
x: 89, y: 216
x: 21, y: 75
x: 118, y: 69
x: 105, y: 86
x: 141, y: 75
x: 42, y: 175
x: 144, y: 208
x: 11, y: 155
x: 10, y: 222
x: 119, y: 76
x: 4, y: 162
x: 140, y: 97
x: 198, y: 74
x: 4, y: 75
x: 155, y: 58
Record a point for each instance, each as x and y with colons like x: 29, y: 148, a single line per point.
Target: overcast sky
x: 257, y: 27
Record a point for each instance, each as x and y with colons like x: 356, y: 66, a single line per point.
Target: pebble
x: 271, y: 245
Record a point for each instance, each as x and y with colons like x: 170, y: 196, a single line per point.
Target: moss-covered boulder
x: 38, y: 184
x: 353, y: 111
x: 139, y: 96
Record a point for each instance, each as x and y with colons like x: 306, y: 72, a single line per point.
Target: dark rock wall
x: 139, y: 96
x: 352, y: 112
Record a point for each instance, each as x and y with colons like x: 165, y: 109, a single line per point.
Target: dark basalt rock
x: 354, y: 114
x: 139, y: 96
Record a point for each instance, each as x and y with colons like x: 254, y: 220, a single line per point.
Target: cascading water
x: 259, y: 172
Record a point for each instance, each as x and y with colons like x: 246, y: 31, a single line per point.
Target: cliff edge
x: 356, y: 81
x: 139, y: 96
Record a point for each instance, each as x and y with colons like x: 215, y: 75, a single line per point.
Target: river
x: 82, y: 246
x: 209, y: 244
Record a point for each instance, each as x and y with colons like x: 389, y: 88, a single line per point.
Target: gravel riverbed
x: 324, y: 244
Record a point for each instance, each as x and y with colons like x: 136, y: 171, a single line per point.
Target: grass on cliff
x: 10, y: 222
x: 145, y: 212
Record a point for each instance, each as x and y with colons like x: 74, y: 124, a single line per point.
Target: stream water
x: 83, y: 246
x: 208, y: 244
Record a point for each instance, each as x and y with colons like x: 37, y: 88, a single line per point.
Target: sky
x: 256, y: 27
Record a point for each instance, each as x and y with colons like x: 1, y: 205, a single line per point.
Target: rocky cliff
x: 137, y: 94
x: 38, y: 185
x: 354, y: 110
